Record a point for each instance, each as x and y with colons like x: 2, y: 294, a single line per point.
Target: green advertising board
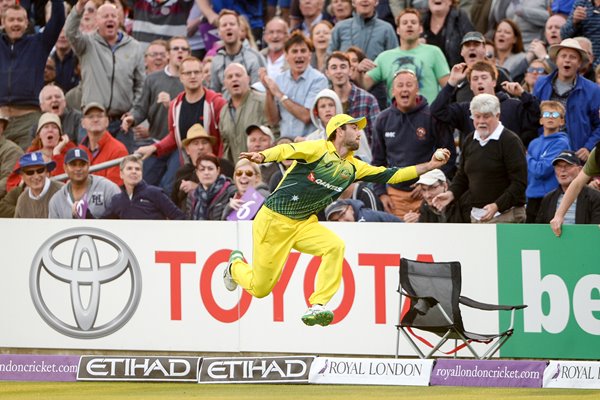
x: 559, y: 280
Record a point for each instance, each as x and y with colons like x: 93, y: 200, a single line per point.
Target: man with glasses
x: 431, y: 184
x: 156, y: 56
x: 196, y: 104
x: 159, y: 88
x: 99, y: 143
x: 39, y: 189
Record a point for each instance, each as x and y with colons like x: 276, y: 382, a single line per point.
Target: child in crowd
x: 540, y: 153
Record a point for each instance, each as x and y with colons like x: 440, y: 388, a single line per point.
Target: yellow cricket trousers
x: 274, y: 236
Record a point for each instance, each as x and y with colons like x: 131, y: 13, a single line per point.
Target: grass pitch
x: 177, y: 391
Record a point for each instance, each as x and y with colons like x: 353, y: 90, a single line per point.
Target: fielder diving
x: 321, y: 171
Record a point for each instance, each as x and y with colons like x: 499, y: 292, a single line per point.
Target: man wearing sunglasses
x: 321, y: 171
x: 35, y: 172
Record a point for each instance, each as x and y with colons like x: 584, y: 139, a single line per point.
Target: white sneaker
x: 317, y: 315
x: 230, y: 284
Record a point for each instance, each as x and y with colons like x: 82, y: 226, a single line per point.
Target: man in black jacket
x: 586, y: 210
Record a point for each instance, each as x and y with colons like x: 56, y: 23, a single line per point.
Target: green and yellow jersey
x: 319, y: 175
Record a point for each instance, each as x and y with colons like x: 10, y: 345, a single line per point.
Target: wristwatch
x: 283, y: 98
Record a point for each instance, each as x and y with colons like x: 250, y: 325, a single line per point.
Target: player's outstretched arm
x: 253, y: 156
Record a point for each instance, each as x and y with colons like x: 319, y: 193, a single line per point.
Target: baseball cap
x: 34, y: 159
x: 263, y: 129
x: 49, y: 118
x: 431, y: 177
x: 197, y: 131
x: 93, y: 105
x: 473, y: 36
x: 343, y: 119
x: 76, y: 154
x: 335, y: 207
x: 567, y: 156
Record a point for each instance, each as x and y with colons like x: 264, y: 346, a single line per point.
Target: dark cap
x: 567, y: 156
x: 76, y: 154
x: 472, y: 37
x: 93, y: 105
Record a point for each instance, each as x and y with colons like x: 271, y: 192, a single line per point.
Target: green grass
x: 177, y: 391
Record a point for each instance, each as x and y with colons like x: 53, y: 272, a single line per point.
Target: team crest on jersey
x: 311, y: 176
x: 345, y: 174
x: 421, y: 132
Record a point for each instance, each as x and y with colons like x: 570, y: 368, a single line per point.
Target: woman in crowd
x: 320, y: 34
x: 247, y: 175
x: 340, y: 10
x: 536, y: 69
x: 509, y: 49
x: 444, y: 25
x: 213, y: 192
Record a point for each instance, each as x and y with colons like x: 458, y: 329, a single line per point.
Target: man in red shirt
x: 99, y: 143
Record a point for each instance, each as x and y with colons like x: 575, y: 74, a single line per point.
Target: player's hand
x: 556, y: 225
x: 435, y: 163
x: 253, y: 156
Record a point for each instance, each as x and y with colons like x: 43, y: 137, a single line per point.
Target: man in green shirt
x: 321, y: 171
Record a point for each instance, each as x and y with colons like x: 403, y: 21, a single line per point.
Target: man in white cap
x: 84, y: 196
x: 322, y: 169
x: 431, y: 184
x: 580, y: 96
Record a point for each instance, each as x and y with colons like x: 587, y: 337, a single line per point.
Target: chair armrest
x: 487, y: 307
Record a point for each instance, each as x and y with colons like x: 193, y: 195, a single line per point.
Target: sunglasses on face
x: 535, y: 70
x: 177, y: 48
x: 31, y: 172
x: 551, y: 114
x: 239, y: 172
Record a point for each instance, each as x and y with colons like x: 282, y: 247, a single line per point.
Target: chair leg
x: 411, y: 343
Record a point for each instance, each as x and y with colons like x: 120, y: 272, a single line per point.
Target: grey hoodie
x: 111, y: 77
x: 364, y: 151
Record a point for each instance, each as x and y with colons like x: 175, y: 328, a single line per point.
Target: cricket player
x: 322, y: 169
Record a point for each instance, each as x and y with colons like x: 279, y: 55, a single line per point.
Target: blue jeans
x: 160, y: 171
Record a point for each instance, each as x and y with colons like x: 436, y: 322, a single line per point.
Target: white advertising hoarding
x: 62, y: 291
x: 572, y: 374
x: 370, y: 371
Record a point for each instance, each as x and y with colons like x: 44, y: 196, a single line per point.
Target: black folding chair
x: 433, y: 298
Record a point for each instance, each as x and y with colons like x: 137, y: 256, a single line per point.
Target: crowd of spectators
x: 139, y: 109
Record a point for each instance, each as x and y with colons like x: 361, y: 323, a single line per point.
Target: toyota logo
x: 88, y: 269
